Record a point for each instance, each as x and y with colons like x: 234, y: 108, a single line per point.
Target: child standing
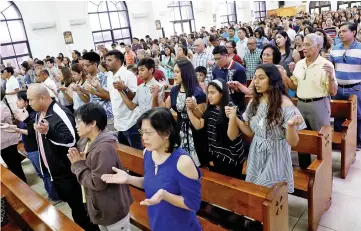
x: 201, y: 73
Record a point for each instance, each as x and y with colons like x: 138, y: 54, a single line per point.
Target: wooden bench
x: 314, y: 183
x: 345, y: 140
x: 223, y: 194
x: 28, y: 210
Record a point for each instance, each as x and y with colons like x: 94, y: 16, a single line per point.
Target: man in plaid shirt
x: 252, y: 58
x: 202, y: 58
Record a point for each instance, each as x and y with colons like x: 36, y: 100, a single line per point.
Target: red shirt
x: 158, y: 75
x: 237, y: 59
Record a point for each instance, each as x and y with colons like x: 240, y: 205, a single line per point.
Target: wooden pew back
x: 29, y: 209
x: 267, y: 205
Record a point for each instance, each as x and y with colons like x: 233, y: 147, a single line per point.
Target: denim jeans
x: 48, y: 184
x: 131, y: 137
x: 344, y: 94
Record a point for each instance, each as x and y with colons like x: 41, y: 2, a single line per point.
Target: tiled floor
x: 343, y: 215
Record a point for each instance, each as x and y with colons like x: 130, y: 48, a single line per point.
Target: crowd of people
x: 183, y: 100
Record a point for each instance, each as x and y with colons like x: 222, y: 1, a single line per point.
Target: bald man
x: 55, y: 132
x: 202, y: 58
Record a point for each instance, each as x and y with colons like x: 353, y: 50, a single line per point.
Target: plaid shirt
x: 202, y: 59
x: 252, y: 60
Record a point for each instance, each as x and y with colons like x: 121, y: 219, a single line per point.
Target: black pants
x: 13, y: 160
x: 69, y: 191
x: 228, y: 170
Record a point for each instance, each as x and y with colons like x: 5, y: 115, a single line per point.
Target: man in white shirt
x: 121, y: 81
x: 290, y: 32
x: 143, y: 98
x: 12, y: 88
x: 42, y: 76
x: 241, y: 45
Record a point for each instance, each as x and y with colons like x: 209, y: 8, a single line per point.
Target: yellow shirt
x: 311, y: 81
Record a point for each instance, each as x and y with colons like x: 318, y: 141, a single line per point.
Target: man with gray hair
x: 202, y: 58
x: 314, y: 79
x: 252, y: 57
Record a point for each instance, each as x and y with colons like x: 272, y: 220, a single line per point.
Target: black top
x: 29, y: 141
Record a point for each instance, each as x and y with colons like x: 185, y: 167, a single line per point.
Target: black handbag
x: 4, y: 212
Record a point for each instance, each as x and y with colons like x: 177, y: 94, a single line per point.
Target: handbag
x: 4, y: 212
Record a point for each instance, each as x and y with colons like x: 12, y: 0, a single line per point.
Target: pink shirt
x: 7, y: 139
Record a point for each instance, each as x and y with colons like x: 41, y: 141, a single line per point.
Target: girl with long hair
x: 327, y: 42
x: 260, y: 38
x: 187, y: 91
x: 65, y: 95
x: 273, y: 121
x: 299, y: 45
x: 66, y: 62
x: 80, y: 96
x: 288, y: 54
x: 168, y: 61
x: 226, y: 147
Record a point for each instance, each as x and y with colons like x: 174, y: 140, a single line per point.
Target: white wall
x: 142, y: 16
x: 51, y: 41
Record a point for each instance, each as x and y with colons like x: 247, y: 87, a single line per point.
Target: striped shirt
x: 331, y: 31
x: 347, y: 63
x: 206, y: 60
x: 221, y: 148
x: 252, y: 60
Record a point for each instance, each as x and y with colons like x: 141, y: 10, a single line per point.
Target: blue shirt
x: 165, y: 216
x: 235, y: 39
x: 234, y: 72
x: 225, y: 35
x: 104, y: 103
x: 347, y: 63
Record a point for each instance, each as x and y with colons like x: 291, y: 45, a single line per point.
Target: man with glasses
x: 314, y: 80
x: 252, y: 57
x: 98, y: 88
x: 202, y: 58
x: 231, y: 72
x: 346, y: 57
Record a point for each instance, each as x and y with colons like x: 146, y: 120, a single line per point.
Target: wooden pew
x: 266, y: 205
x: 344, y: 141
x: 28, y: 210
x: 314, y: 183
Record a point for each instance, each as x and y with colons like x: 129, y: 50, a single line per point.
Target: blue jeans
x: 48, y: 184
x: 131, y: 137
x: 344, y: 94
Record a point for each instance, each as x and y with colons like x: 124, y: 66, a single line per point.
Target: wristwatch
x: 126, y: 90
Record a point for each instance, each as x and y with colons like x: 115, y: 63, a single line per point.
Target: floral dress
x: 269, y: 158
x: 168, y: 64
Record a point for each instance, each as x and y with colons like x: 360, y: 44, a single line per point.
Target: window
x: 319, y: 6
x: 110, y: 22
x: 228, y: 12
x: 14, y: 41
x: 182, y: 16
x: 343, y: 4
x: 260, y: 10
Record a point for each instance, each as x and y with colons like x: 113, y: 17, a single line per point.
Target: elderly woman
x: 314, y: 79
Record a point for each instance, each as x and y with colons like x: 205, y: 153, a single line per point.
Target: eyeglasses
x: 228, y: 47
x: 344, y: 56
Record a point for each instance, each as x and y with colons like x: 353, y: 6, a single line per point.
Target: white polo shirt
x: 144, y: 98
x: 123, y: 117
x: 12, y: 84
x: 51, y: 87
x: 312, y: 81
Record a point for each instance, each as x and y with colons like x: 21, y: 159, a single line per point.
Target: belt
x: 349, y: 85
x: 311, y: 100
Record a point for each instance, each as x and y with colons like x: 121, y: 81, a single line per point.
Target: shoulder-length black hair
x: 288, y: 42
x: 275, y: 92
x: 188, y: 73
x: 250, y: 31
x: 222, y: 120
x: 23, y: 96
x: 163, y: 122
x: 276, y: 53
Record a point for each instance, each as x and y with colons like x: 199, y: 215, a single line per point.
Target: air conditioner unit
x: 139, y: 15
x: 77, y: 22
x: 43, y: 26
